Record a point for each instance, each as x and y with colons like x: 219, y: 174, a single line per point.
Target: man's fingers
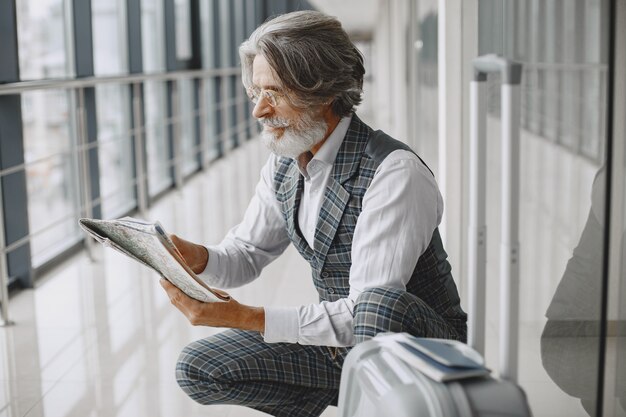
x: 181, y: 300
x: 188, y: 306
x: 173, y: 292
x: 166, y: 284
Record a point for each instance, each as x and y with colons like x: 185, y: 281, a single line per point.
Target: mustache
x: 274, y: 122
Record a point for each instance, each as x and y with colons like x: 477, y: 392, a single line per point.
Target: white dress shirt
x: 400, y: 210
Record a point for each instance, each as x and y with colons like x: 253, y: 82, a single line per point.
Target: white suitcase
x: 380, y: 380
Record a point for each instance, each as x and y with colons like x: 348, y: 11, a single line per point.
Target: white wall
x: 389, y: 69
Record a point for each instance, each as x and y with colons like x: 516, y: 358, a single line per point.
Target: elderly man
x: 359, y: 206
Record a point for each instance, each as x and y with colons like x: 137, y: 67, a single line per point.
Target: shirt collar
x: 328, y: 152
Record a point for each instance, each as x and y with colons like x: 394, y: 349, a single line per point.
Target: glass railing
x: 108, y: 146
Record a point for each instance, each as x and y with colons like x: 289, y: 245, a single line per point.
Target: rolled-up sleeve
x: 255, y: 242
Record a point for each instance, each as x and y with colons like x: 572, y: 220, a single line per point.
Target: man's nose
x: 262, y: 108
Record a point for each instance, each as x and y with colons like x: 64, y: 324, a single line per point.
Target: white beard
x: 296, y: 139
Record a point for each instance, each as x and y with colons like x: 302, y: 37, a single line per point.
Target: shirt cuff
x: 211, y: 274
x: 281, y: 325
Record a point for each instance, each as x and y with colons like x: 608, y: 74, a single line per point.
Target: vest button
x: 325, y: 274
x: 331, y: 290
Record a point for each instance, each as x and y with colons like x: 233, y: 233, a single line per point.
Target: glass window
x: 233, y: 87
x: 227, y: 60
x: 594, y: 80
x: 157, y: 143
x: 571, y: 77
x: 224, y: 34
x: 109, y: 37
x: 252, y: 16
x: 115, y: 151
x: 212, y: 94
x: 427, y: 83
x: 183, y: 29
x: 617, y: 323
x: 533, y: 73
x: 239, y: 97
x: 552, y: 75
x: 561, y: 226
x: 152, y: 36
x: 44, y: 39
x: 51, y: 172
x: 187, y: 120
x: 210, y: 59
x: 113, y: 109
x: 210, y: 33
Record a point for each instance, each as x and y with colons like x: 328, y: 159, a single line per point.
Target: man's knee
x: 194, y: 374
x: 380, y: 309
x: 385, y: 309
x: 382, y: 300
x: 381, y: 296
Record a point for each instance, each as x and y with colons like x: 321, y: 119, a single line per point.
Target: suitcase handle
x: 511, y: 74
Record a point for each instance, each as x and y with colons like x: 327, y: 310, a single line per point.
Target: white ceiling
x: 356, y: 16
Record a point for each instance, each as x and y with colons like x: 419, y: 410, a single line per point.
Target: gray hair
x: 313, y: 58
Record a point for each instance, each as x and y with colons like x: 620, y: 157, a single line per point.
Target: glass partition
x: 563, y: 183
x: 182, y: 14
x: 113, y: 108
x: 115, y: 152
x: 188, y: 138
x: 616, y: 343
x: 157, y: 143
x: 43, y: 35
x: 50, y: 155
x: 109, y: 37
x: 152, y: 36
x: 427, y: 91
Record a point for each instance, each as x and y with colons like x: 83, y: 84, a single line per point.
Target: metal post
x: 204, y: 134
x: 225, y: 134
x: 140, y: 170
x: 4, y: 271
x: 509, y: 255
x: 510, y: 74
x: 477, y: 216
x: 82, y: 152
x: 176, y: 136
x: 241, y: 113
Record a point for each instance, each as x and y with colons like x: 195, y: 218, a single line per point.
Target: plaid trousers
x: 287, y: 379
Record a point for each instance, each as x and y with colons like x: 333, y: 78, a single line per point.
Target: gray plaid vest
x: 360, y: 154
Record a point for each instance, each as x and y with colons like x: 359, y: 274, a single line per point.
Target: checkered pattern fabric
x: 394, y: 310
x: 238, y: 367
x: 284, y: 379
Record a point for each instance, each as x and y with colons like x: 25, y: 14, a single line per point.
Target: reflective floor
x: 99, y: 338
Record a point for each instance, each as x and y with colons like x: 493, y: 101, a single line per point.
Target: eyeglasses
x: 273, y: 97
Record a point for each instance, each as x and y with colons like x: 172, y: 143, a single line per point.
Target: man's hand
x: 195, y: 255
x: 218, y: 314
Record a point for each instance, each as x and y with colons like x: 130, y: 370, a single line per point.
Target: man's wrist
x: 252, y: 318
x: 203, y: 255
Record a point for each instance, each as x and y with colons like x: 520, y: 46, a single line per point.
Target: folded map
x: 148, y: 243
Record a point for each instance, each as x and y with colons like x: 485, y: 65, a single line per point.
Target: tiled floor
x: 99, y: 338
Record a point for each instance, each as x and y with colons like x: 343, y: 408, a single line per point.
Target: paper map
x: 149, y: 244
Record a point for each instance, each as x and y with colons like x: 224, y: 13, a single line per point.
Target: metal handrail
x: 24, y: 86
